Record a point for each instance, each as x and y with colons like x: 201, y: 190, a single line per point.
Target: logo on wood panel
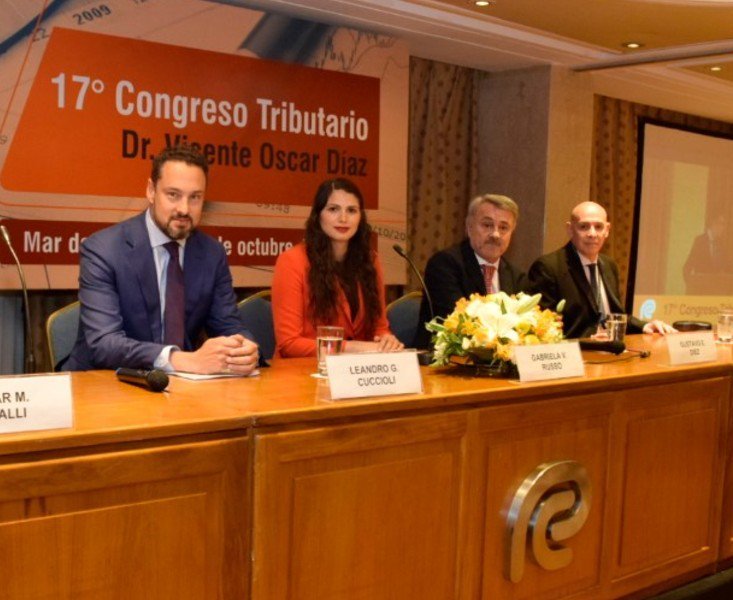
x: 551, y: 505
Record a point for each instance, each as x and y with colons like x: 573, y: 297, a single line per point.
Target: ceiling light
x: 482, y: 3
x: 632, y: 45
x: 716, y: 69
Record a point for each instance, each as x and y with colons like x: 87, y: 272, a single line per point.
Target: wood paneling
x: 726, y: 529
x: 360, y: 511
x: 668, y: 471
x: 158, y: 523
x: 514, y: 441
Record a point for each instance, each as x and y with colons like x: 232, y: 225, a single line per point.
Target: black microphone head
x: 157, y: 380
x: 612, y: 346
x: 399, y: 250
x: 617, y: 347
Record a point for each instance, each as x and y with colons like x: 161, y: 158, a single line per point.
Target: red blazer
x: 295, y: 335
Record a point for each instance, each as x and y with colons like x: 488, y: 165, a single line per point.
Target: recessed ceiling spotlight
x: 482, y: 2
x: 632, y: 45
x: 716, y: 69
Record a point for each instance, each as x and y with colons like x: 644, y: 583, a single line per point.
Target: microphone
x: 612, y: 346
x: 30, y: 357
x: 401, y: 251
x: 155, y: 379
x: 641, y: 353
x: 423, y: 357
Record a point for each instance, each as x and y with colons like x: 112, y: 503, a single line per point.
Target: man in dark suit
x: 476, y: 265
x: 709, y: 258
x: 586, y: 279
x: 151, y: 285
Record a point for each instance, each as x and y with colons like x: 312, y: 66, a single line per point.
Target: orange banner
x: 59, y: 242
x: 101, y: 106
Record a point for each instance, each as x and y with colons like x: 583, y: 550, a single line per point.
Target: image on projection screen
x: 685, y: 251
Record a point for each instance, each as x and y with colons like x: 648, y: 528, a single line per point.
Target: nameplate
x: 373, y: 374
x: 692, y: 347
x: 35, y: 402
x: 549, y: 361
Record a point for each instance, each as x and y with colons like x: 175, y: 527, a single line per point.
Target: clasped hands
x: 225, y: 354
x: 381, y: 343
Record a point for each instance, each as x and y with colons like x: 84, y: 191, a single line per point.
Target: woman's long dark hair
x: 357, y: 269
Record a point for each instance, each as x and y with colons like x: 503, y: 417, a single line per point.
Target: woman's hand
x: 388, y: 343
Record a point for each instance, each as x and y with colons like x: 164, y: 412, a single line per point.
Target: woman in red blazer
x: 333, y: 278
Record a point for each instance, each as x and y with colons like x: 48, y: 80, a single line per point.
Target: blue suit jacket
x: 120, y: 304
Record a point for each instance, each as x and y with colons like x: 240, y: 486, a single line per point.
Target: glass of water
x: 725, y: 327
x: 329, y: 340
x: 616, y: 327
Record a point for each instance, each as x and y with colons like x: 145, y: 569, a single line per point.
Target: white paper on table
x: 198, y: 377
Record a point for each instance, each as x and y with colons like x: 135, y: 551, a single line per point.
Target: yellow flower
x: 488, y: 327
x: 504, y: 352
x: 461, y: 306
x: 451, y: 323
x: 483, y: 337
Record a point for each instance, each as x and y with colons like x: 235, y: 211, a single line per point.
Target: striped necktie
x: 488, y: 273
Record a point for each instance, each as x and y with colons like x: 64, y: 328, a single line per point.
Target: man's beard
x: 178, y: 233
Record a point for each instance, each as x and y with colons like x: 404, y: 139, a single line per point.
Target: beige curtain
x: 443, y: 166
x: 613, y: 175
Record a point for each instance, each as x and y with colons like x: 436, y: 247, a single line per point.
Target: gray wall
x: 535, y: 145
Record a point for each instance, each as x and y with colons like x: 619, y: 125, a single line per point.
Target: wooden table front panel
x: 515, y: 440
x: 155, y: 523
x: 668, y: 468
x: 360, y: 511
x: 726, y: 529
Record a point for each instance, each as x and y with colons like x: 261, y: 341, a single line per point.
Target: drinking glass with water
x: 725, y: 327
x: 616, y: 327
x: 329, y: 340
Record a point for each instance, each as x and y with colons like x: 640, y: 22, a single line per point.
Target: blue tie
x: 174, y: 299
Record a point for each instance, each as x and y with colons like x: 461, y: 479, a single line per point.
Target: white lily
x: 496, y: 323
x: 526, y: 303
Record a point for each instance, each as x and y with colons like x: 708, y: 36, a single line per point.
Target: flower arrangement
x: 485, y: 329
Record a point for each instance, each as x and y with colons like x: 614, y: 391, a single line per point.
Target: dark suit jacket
x: 560, y: 275
x: 701, y: 262
x: 120, y: 304
x: 454, y: 273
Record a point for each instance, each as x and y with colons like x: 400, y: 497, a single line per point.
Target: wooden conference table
x: 263, y: 488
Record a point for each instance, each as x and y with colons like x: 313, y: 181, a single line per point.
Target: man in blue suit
x: 150, y: 286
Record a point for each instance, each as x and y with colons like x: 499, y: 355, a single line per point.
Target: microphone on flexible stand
x: 424, y: 357
x: 155, y: 380
x: 30, y: 358
x: 612, y: 346
x: 401, y: 251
